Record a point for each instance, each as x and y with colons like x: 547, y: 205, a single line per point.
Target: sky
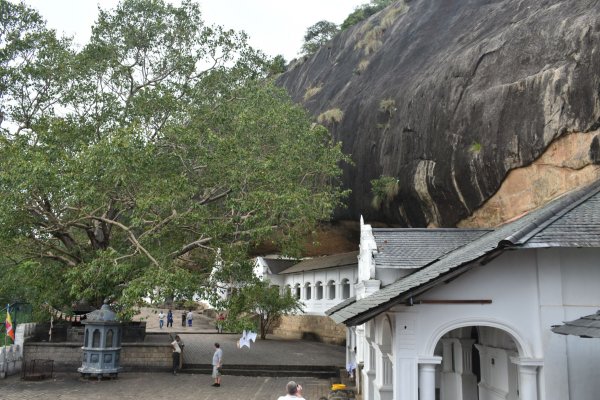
x: 274, y: 26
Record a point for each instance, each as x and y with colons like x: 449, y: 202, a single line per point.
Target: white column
x: 427, y: 377
x: 528, y: 372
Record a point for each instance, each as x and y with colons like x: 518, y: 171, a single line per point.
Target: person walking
x: 217, y: 363
x: 176, y: 355
x: 183, y: 318
x: 170, y: 318
x: 190, y: 317
x: 294, y: 392
x: 161, y: 319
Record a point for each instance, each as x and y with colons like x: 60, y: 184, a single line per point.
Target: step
x: 324, y: 372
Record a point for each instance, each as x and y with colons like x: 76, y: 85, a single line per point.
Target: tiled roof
x: 415, y: 248
x: 579, y: 227
x: 514, y: 234
x: 587, y: 327
x: 276, y: 265
x: 336, y: 260
x: 341, y: 305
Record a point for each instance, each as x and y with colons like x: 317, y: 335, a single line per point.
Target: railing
x: 37, y: 370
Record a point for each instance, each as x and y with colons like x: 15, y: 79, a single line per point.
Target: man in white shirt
x: 176, y: 354
x: 217, y: 362
x: 294, y: 392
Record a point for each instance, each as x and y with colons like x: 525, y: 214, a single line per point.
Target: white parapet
x: 11, y: 357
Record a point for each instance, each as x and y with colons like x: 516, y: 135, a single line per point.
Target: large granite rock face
x: 448, y: 96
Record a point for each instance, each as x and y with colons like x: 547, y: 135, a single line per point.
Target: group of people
x: 189, y: 316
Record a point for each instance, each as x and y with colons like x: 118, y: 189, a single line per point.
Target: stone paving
x: 155, y: 386
x: 199, y: 347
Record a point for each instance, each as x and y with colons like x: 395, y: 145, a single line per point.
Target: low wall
x: 11, y: 357
x: 311, y: 327
x: 134, y: 356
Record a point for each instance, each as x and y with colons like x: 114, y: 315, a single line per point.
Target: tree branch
x: 131, y: 236
x: 189, y: 247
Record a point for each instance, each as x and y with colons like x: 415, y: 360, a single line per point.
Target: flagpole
x: 4, y: 363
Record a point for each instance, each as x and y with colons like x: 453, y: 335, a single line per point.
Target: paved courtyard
x: 155, y: 386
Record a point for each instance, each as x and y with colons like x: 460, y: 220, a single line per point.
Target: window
x: 318, y: 291
x: 109, y: 338
x: 96, y: 339
x: 288, y: 290
x: 297, y: 291
x: 307, y: 291
x: 345, y: 289
x: 331, y: 290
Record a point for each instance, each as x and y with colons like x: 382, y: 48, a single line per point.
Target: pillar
x: 528, y: 373
x: 427, y: 368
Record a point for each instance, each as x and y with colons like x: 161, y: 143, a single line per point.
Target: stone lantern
x: 101, y: 344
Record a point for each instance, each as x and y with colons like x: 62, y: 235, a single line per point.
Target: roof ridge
x: 557, y: 208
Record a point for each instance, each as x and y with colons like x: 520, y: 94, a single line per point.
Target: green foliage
x: 384, y: 189
x: 475, y: 147
x: 125, y: 165
x: 257, y: 298
x: 276, y: 66
x: 364, y: 11
x: 317, y: 35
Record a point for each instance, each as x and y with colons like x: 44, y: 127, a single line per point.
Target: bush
x: 334, y: 115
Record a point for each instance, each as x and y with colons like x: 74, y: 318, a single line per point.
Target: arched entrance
x: 479, y: 362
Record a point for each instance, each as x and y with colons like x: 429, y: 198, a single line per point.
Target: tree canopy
x: 317, y: 35
x: 126, y: 164
x: 364, y: 11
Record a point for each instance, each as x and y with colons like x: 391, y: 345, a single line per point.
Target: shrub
x: 387, y: 106
x: 362, y: 66
x: 384, y: 189
x: 311, y: 91
x: 475, y: 147
x: 334, y: 115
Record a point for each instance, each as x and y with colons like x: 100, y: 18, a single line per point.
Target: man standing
x: 176, y: 354
x: 170, y: 318
x: 190, y: 316
x: 217, y: 362
x: 161, y: 319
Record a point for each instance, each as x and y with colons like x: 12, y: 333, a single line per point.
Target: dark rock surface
x: 449, y: 95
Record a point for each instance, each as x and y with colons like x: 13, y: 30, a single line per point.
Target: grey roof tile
x: 415, y: 248
x: 336, y: 260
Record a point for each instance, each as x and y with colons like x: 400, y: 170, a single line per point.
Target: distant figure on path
x: 170, y: 318
x: 294, y: 392
x: 217, y: 362
x: 220, y: 321
x: 176, y: 355
x: 190, y: 317
x: 183, y: 318
x: 161, y: 319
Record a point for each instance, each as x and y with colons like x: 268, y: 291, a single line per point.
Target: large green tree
x: 126, y: 164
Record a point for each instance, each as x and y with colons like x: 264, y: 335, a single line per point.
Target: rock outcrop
x: 449, y: 96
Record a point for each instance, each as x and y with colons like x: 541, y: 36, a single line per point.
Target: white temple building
x: 465, y: 314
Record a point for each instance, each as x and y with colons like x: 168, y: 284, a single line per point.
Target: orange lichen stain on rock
x: 564, y: 166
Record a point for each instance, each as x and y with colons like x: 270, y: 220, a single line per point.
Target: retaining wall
x: 134, y: 356
x: 311, y: 327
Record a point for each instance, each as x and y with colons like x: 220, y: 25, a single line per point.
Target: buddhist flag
x: 10, y: 332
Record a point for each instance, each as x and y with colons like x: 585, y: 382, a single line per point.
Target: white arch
x: 522, y: 344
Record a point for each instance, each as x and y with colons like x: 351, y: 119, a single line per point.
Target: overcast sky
x: 274, y: 26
